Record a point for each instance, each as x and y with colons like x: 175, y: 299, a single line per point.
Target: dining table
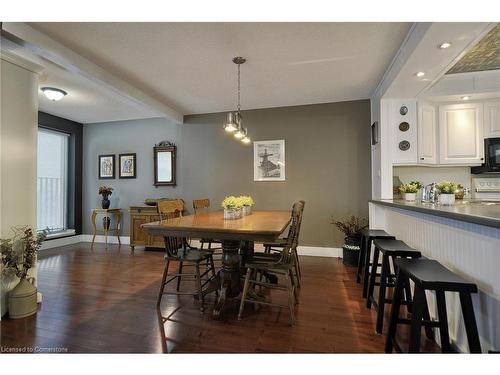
x: 237, y: 237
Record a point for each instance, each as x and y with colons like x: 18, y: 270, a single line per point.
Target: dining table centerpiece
x: 246, y: 204
x: 351, y: 228
x: 232, y: 207
x: 19, y: 255
x: 447, y: 191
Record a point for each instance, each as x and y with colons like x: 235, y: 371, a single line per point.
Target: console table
x: 106, y: 227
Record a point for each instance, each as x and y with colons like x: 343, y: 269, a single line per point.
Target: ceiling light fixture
x: 233, y: 119
x: 53, y: 93
x: 444, y: 45
x: 465, y: 97
x: 420, y: 74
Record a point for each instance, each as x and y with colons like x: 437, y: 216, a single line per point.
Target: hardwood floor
x: 104, y: 301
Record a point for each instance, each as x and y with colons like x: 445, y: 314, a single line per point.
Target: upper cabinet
x: 461, y: 139
x: 427, y: 134
x: 492, y: 119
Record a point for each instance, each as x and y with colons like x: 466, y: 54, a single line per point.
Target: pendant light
x: 233, y: 120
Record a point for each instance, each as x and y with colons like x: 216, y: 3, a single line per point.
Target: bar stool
x: 390, y: 249
x: 428, y: 274
x: 367, y: 236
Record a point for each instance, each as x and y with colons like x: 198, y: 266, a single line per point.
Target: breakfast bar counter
x: 465, y: 238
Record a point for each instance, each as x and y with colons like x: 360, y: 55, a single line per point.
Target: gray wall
x: 327, y: 162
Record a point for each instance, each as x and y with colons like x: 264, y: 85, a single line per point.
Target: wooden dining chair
x: 279, y: 245
x: 203, y: 206
x: 177, y: 250
x: 281, y: 265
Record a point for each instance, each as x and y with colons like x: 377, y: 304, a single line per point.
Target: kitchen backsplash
x: 426, y: 175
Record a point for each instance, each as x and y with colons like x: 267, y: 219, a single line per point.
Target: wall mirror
x: 164, y: 164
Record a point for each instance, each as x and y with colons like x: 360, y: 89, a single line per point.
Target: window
x: 52, y: 181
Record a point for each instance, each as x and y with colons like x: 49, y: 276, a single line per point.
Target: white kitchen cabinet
x: 492, y: 119
x: 461, y: 134
x: 427, y: 134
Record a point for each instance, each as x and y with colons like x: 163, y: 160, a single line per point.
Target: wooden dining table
x: 259, y: 226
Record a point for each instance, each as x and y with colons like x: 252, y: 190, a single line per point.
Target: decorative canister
x: 232, y: 213
x: 447, y: 199
x: 246, y: 210
x: 22, y: 299
x: 410, y: 197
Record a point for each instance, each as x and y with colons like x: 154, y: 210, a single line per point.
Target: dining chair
x: 177, y: 250
x: 281, y: 264
x: 203, y: 206
x: 278, y: 246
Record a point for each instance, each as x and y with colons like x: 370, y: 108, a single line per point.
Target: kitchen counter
x: 472, y: 211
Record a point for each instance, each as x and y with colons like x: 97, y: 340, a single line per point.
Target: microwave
x: 491, y: 157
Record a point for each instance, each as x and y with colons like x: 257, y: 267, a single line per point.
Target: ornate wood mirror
x: 164, y: 164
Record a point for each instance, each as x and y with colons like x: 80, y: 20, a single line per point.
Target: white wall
x: 18, y: 152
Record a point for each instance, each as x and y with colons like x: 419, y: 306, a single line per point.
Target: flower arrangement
x: 246, y: 201
x: 447, y: 187
x: 231, y: 203
x: 418, y: 184
x: 408, y: 188
x: 105, y: 191
x: 19, y: 252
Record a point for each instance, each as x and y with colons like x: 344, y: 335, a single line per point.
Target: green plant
x: 19, y: 252
x: 418, y: 184
x: 231, y: 202
x: 408, y: 188
x: 246, y: 201
x: 105, y: 191
x: 351, y: 226
x: 447, y: 187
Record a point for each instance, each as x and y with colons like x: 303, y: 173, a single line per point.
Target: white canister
x: 232, y: 213
x: 246, y: 210
x: 410, y: 197
x: 447, y: 199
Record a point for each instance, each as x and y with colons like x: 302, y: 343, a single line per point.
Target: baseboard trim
x: 63, y: 241
x: 314, y: 251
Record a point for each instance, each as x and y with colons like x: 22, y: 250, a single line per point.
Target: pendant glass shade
x: 245, y: 139
x: 240, y: 132
x: 231, y: 123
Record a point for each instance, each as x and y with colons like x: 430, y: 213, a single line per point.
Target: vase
x: 106, y: 222
x: 350, y: 250
x: 447, y: 199
x: 232, y: 213
x: 22, y: 299
x: 105, y: 202
x: 246, y: 210
x: 410, y: 197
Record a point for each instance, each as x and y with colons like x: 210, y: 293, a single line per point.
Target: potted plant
x: 19, y: 255
x: 352, y: 228
x: 447, y: 191
x: 232, y: 207
x: 247, y: 204
x: 409, y: 191
x: 105, y: 191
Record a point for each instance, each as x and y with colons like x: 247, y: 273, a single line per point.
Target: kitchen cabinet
x: 427, y: 134
x: 461, y: 140
x: 492, y: 119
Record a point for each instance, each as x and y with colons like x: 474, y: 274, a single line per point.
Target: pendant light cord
x: 239, y: 88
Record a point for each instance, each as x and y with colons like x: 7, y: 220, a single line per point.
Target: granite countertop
x: 468, y: 210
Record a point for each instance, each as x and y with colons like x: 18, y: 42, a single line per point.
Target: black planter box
x: 350, y: 251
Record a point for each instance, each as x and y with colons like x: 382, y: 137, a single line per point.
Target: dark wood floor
x: 104, y: 301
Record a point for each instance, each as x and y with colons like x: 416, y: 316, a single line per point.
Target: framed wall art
x: 106, y: 167
x: 269, y: 160
x: 127, y: 165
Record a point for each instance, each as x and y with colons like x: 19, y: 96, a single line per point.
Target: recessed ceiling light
x: 54, y: 94
x: 420, y: 74
x: 465, y: 97
x: 444, y: 45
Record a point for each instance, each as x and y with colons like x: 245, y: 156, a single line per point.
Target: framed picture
x: 106, y: 167
x: 269, y: 160
x: 127, y: 166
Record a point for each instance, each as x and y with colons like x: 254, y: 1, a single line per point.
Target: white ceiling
x: 188, y: 65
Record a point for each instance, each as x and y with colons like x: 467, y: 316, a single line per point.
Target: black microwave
x: 491, y: 157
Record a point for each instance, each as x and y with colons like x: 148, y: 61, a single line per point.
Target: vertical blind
x: 52, y: 180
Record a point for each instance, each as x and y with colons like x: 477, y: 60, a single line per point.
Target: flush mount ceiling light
x: 444, y: 45
x: 233, y: 119
x: 53, y: 93
x: 466, y: 97
x: 420, y: 74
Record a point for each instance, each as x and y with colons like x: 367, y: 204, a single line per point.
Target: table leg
x: 106, y: 228
x: 229, y: 276
x: 118, y: 226
x: 94, y: 214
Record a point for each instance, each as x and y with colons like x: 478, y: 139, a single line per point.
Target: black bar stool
x: 367, y: 236
x: 429, y: 274
x: 390, y: 249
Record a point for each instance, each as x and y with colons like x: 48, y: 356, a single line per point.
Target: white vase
x: 410, y: 197
x: 232, y: 213
x: 246, y: 210
x: 447, y: 199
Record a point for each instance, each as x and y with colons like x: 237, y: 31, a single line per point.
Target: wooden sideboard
x: 138, y: 237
